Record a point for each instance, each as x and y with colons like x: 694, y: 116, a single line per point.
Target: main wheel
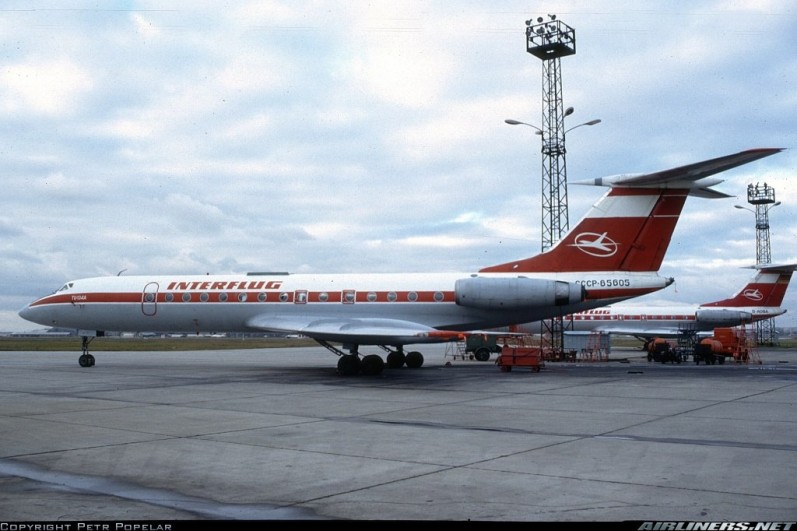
x: 414, y: 359
x: 372, y: 365
x: 395, y: 360
x: 349, y: 365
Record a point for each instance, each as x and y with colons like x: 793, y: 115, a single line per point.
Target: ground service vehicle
x: 482, y: 346
x: 661, y: 350
x: 725, y: 343
x: 709, y: 351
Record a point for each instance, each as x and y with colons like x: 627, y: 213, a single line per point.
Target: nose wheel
x: 86, y: 359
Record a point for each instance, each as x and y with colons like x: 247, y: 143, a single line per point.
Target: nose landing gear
x: 86, y: 359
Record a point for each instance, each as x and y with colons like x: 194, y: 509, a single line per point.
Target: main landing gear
x: 86, y: 359
x: 350, y: 363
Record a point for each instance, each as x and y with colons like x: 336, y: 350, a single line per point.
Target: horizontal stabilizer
x: 692, y: 176
x: 775, y: 268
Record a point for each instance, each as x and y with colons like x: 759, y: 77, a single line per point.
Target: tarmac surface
x: 277, y: 434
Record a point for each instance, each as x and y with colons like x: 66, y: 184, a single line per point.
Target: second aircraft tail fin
x: 766, y: 289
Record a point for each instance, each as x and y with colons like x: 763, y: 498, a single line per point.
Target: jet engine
x: 723, y: 317
x: 490, y: 293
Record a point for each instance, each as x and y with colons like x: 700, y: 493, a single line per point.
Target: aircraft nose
x: 25, y: 313
x: 28, y: 313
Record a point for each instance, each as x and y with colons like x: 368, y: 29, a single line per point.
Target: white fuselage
x: 662, y: 321
x: 252, y: 302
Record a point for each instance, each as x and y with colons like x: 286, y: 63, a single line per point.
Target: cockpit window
x: 66, y: 286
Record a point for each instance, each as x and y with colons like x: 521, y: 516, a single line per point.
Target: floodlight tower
x: 763, y: 197
x: 550, y: 40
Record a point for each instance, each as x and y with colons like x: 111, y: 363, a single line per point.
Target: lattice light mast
x: 762, y: 196
x: 550, y: 40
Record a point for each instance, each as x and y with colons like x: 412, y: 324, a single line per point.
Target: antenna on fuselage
x: 119, y: 274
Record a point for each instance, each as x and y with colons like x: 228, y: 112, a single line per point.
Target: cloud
x: 49, y: 88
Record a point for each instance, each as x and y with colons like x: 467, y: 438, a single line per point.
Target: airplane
x: 612, y: 254
x: 759, y: 299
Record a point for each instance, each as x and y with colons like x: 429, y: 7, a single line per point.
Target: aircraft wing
x: 361, y: 330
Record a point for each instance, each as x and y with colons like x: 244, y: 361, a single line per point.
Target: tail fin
x: 630, y: 227
x: 767, y: 288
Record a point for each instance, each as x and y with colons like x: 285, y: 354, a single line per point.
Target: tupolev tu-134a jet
x: 612, y: 254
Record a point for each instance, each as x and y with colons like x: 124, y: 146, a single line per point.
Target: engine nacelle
x: 723, y: 317
x: 488, y: 293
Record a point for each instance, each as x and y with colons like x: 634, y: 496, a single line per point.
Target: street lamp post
x: 554, y: 213
x: 538, y: 131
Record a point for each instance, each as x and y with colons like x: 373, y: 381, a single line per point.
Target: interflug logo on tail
x: 754, y: 294
x: 594, y: 244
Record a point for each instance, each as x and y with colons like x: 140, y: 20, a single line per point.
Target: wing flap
x: 354, y: 330
x: 364, y: 330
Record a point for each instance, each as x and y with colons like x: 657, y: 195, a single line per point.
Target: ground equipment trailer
x: 530, y: 357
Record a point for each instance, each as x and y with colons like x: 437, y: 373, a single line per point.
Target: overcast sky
x: 224, y: 137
